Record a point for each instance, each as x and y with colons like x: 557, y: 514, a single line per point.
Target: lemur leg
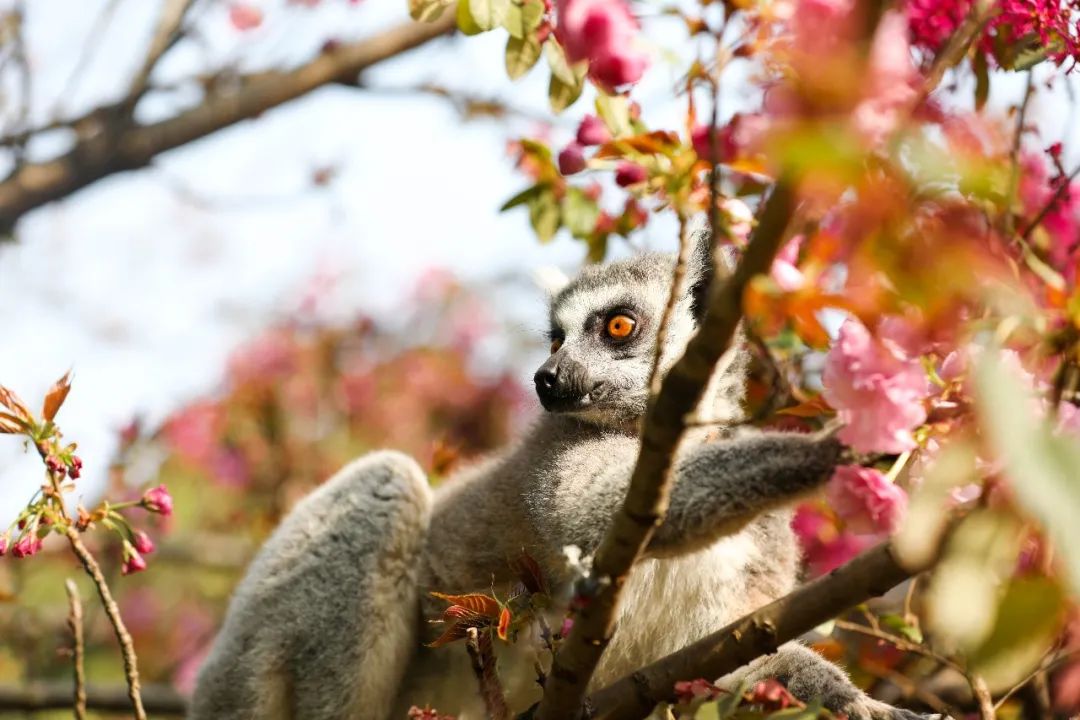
x: 809, y: 676
x: 323, y: 625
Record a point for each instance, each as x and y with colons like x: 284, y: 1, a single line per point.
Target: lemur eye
x: 555, y: 345
x: 620, y: 326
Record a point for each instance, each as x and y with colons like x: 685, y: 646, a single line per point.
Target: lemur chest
x: 669, y: 603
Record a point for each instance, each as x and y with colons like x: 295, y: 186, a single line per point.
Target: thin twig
x: 899, y: 643
x: 980, y: 13
x: 75, y: 623
x: 168, y: 32
x: 911, y: 689
x: 982, y: 696
x: 1054, y: 199
x: 160, y: 700
x: 482, y: 656
x: 127, y: 647
x: 1044, y: 667
x: 1014, y: 171
x: 678, y: 277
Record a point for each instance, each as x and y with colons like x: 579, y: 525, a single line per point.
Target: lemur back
x: 329, y: 622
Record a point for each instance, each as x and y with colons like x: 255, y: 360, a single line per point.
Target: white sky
x: 144, y: 292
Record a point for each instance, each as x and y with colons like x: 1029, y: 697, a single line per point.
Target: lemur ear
x: 706, y: 264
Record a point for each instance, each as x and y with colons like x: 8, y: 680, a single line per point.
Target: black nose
x: 546, y: 377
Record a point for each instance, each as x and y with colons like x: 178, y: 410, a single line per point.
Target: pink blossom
x: 592, y: 131
x: 739, y: 218
x: 877, y: 394
x: 158, y: 500
x: 825, y: 546
x: 142, y: 542
x: 193, y: 432
x: 818, y: 25
x: 865, y: 500
x: 245, y: 16
x: 29, y: 544
x: 785, y: 270
x: 890, y: 82
x: 572, y: 159
x: 604, y: 33
x: 133, y: 562
x: 628, y: 173
x: 75, y: 470
x: 688, y: 691
x: 268, y: 357
x: 5, y: 542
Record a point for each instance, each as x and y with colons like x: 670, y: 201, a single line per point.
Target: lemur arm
x: 719, y: 488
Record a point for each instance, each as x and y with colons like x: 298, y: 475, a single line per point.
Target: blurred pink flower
x: 878, y: 395
x: 604, y: 33
x: 818, y: 25
x: 572, y: 159
x: 890, y: 82
x: 193, y: 432
x: 785, y: 270
x: 267, y: 357
x: 824, y: 545
x: 865, y: 500
x: 29, y: 544
x: 5, y: 542
x: 592, y: 131
x: 133, y: 563
x: 628, y: 173
x: 245, y: 16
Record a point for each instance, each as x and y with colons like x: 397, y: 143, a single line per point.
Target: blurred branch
x: 871, y: 574
x: 165, y: 37
x: 38, y: 697
x: 75, y: 622
x: 108, y: 141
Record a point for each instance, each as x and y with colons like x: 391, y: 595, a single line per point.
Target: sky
x: 144, y: 282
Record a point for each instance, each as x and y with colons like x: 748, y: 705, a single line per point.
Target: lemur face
x: 603, y: 338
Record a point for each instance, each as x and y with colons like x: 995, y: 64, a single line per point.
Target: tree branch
x: 650, y: 485
x: 110, y: 142
x: 763, y: 631
x: 75, y: 623
x: 39, y: 697
x: 482, y: 657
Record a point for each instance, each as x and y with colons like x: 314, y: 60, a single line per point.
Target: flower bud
x: 158, y: 500
x: 572, y: 159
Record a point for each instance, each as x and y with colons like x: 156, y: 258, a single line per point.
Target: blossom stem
x: 127, y: 647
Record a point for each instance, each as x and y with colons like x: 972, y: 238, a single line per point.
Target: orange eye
x: 555, y: 345
x: 620, y: 326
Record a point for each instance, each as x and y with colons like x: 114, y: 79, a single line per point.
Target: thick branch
x: 647, y: 499
x: 160, y: 700
x: 869, y: 575
x: 109, y: 142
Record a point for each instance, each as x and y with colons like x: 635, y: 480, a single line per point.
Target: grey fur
x: 327, y: 624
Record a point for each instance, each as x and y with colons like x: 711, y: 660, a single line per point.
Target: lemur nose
x: 546, y: 377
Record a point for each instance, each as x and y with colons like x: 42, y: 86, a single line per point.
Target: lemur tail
x: 323, y: 625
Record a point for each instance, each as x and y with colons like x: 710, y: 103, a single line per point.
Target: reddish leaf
x: 457, y: 631
x: 814, y: 407
x: 504, y: 624
x: 12, y: 402
x: 477, y: 602
x: 528, y: 571
x: 658, y: 142
x: 9, y: 424
x: 456, y: 613
x: 56, y: 396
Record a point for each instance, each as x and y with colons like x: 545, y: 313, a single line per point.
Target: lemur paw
x: 866, y: 708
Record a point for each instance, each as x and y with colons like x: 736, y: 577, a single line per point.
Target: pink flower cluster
x: 877, y: 388
x: 864, y: 508
x: 890, y: 82
x: 1053, y: 22
x: 604, y: 33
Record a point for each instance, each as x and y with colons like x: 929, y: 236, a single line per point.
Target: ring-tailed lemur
x: 329, y: 622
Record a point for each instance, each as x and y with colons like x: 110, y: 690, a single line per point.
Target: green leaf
x: 614, y: 110
x: 579, y: 213
x: 465, y: 21
x: 982, y: 79
x: 521, y: 55
x: 544, y: 214
x: 1028, y: 620
x: 522, y: 197
x: 560, y: 66
x: 897, y: 624
x: 562, y: 95
x: 428, y: 10
x: 1044, y: 466
x: 488, y: 14
x: 523, y: 17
